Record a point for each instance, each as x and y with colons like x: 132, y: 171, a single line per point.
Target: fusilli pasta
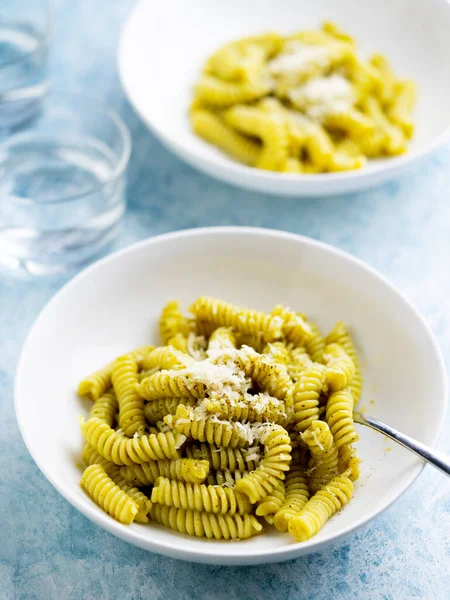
x: 296, y: 497
x: 131, y: 405
x: 99, y: 382
x: 324, y: 455
x: 108, y: 495
x: 277, y: 456
x: 179, y: 469
x: 123, y: 450
x: 200, y: 497
x: 240, y: 415
x: 203, y: 524
x: 306, y: 103
x: 320, y: 508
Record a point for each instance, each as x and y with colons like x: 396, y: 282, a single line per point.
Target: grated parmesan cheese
x: 298, y: 58
x: 321, y: 96
x: 253, y: 454
x: 214, y: 376
x: 214, y: 349
x: 262, y: 430
x: 262, y: 401
x: 180, y: 441
x: 196, y: 345
x: 200, y: 412
x: 246, y: 431
x: 316, y: 439
x: 226, y: 384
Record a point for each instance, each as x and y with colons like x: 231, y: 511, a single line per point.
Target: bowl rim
x: 169, y: 549
x: 226, y: 168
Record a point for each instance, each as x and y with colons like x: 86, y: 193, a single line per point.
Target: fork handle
x: 436, y: 458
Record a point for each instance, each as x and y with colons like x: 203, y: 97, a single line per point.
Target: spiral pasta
x: 108, y: 495
x: 277, y: 456
x: 306, y: 393
x: 180, y: 469
x: 341, y: 336
x: 354, y: 123
x: 295, y: 328
x: 315, y: 344
x: 222, y: 337
x: 299, y: 362
x: 238, y: 59
x: 214, y: 130
x: 402, y: 106
x: 172, y: 322
x: 394, y: 141
x: 324, y: 455
x: 271, y: 504
x: 239, y: 416
x: 179, y: 342
x: 212, y: 91
x: 387, y: 81
x: 233, y: 459
x: 169, y: 384
x: 279, y: 352
x: 251, y: 409
x: 143, y: 503
x: 297, y: 495
x: 166, y: 358
x: 323, y: 505
x: 91, y: 456
x: 332, y: 29
x: 339, y: 416
x: 99, y: 382
x: 105, y: 408
x: 200, y: 497
x: 242, y: 320
x: 123, y: 450
x: 131, y: 406
x: 348, y: 461
x: 211, y: 430
x: 272, y: 377
x: 306, y: 103
x: 270, y: 129
x: 156, y: 410
x: 340, y: 367
x: 348, y: 155
x: 225, y: 477
x: 203, y: 524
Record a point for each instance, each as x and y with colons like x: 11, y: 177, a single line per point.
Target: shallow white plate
x: 164, y: 45
x: 114, y: 306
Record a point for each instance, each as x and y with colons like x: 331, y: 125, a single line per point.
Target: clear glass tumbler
x: 62, y: 186
x: 24, y: 38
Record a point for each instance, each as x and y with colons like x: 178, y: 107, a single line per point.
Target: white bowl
x: 164, y: 45
x: 114, y: 306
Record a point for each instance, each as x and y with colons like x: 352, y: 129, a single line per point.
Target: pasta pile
x: 305, y: 103
x: 240, y: 418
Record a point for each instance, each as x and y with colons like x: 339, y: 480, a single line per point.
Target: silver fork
x: 436, y: 458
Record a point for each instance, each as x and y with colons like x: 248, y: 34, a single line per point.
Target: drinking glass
x: 24, y: 37
x: 62, y: 186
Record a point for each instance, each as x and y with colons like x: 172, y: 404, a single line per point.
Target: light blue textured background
x: 49, y: 551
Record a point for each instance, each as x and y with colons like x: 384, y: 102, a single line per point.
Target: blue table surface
x: 47, y: 549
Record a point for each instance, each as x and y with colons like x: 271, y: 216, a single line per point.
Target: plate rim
x: 94, y: 514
